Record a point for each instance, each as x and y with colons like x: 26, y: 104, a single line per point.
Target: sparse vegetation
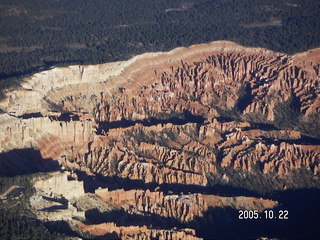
x: 288, y: 116
x: 244, y: 98
x: 139, y: 136
x: 55, y: 107
x: 230, y: 114
x: 253, y: 180
x: 311, y: 126
x: 114, y: 165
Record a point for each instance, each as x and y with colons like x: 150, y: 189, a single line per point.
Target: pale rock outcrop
x: 58, y: 185
x: 53, y: 197
x: 26, y: 133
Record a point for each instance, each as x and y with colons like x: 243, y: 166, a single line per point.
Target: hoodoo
x: 208, y: 115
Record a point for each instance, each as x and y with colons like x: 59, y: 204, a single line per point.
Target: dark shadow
x: 302, y: 223
x: 54, y: 208
x: 124, y: 123
x: 16, y: 192
x: 238, y: 184
x: 31, y: 115
x: 108, y: 236
x: 304, y: 140
x: 223, y: 223
x: 57, y: 200
x: 67, y: 117
x: 61, y: 227
x: 224, y: 119
x: 263, y: 126
x: 217, y: 189
x: 47, y: 65
x: 245, y: 98
x: 122, y: 218
x: 25, y: 161
x: 91, y: 183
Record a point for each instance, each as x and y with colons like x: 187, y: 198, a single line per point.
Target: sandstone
x: 53, y: 197
x: 58, y: 185
x: 183, y: 207
x: 163, y: 118
x: 136, y: 232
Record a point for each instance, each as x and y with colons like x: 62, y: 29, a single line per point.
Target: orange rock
x: 184, y: 207
x: 137, y: 232
x: 201, y: 80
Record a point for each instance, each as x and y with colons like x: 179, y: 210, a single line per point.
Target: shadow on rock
x: 25, y: 161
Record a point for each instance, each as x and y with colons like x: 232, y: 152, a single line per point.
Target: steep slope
x: 208, y: 115
x: 86, y: 114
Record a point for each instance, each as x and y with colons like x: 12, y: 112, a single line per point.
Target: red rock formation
x: 203, y: 80
x: 181, y: 207
x: 186, y: 154
x: 184, y: 207
x: 136, y: 232
x: 206, y: 80
x: 80, y: 123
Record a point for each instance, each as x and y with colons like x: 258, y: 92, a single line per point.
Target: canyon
x: 178, y: 123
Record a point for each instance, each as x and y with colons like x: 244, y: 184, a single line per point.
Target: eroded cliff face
x: 199, y: 78
x: 61, y: 197
x: 202, y: 80
x: 112, y: 231
x: 189, y: 153
x: 184, y: 207
x: 194, y: 116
